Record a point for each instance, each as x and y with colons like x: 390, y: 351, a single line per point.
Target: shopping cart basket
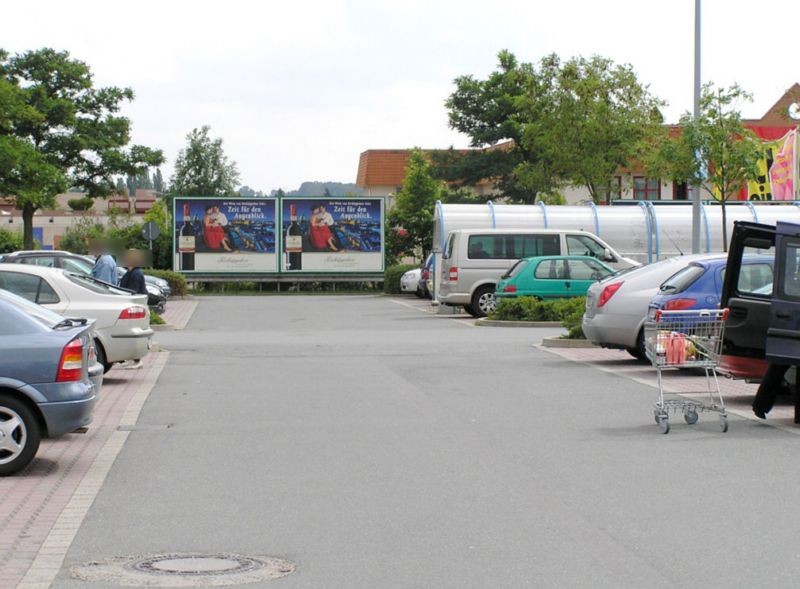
x: 687, y: 339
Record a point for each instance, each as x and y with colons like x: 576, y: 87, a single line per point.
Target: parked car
x: 122, y: 328
x: 425, y: 288
x: 699, y: 285
x: 475, y: 259
x: 617, y: 307
x: 73, y: 263
x: 53, y: 320
x: 552, y: 277
x: 45, y: 389
x: 410, y: 280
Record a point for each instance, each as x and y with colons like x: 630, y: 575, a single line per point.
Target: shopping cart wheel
x: 663, y: 422
x: 723, y: 423
x: 691, y: 416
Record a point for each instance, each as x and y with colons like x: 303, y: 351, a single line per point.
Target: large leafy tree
x: 540, y: 127
x: 57, y: 131
x: 714, y: 151
x: 410, y: 220
x: 203, y: 169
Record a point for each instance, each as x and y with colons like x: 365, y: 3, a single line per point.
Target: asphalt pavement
x: 377, y: 446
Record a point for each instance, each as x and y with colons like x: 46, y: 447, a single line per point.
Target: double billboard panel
x: 287, y: 235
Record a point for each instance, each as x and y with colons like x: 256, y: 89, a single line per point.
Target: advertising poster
x: 332, y: 235
x: 225, y: 235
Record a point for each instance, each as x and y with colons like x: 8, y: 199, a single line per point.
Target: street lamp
x: 696, y: 187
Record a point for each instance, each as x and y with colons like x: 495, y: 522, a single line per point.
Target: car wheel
x: 483, y: 301
x: 641, y: 354
x: 420, y: 294
x: 20, y: 435
x: 101, y: 356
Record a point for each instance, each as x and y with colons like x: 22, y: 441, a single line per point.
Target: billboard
x: 230, y: 235
x: 332, y: 235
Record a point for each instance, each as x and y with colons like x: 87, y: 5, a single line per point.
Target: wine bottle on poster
x: 294, y: 242
x: 187, y: 241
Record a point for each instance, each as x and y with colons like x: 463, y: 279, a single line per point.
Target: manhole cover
x: 184, y: 570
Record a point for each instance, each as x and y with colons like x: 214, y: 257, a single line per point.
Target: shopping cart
x: 687, y: 339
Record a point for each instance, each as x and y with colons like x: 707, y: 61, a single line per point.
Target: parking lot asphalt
x: 375, y: 445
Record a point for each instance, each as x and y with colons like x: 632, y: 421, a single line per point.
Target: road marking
x: 50, y: 557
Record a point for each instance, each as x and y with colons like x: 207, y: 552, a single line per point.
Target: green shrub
x: 177, y: 282
x: 155, y: 319
x: 81, y: 204
x: 10, y: 241
x: 568, y: 311
x: 392, y: 275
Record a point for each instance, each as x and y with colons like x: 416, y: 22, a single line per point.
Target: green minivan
x: 552, y: 277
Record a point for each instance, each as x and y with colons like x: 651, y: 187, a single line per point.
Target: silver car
x: 617, y: 307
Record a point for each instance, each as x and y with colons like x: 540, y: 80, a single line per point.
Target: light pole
x: 696, y: 187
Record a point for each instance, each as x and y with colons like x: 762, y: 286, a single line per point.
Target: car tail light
x: 70, y: 367
x: 135, y: 312
x: 453, y: 274
x: 680, y: 304
x: 608, y: 292
x: 509, y: 288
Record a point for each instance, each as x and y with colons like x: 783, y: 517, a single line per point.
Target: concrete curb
x: 557, y: 342
x: 165, y: 327
x: 495, y: 323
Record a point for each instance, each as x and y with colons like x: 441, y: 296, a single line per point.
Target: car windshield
x: 95, y: 285
x: 682, y: 279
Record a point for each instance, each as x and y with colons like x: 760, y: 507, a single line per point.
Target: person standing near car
x: 133, y: 279
x: 105, y: 268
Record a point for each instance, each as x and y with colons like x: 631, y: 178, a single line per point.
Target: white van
x: 474, y: 260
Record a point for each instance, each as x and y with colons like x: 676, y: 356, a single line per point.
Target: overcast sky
x: 297, y: 89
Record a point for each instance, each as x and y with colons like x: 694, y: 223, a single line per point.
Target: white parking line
x: 467, y: 322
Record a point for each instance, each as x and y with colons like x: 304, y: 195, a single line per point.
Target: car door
x: 582, y: 274
x: 783, y: 330
x: 549, y: 279
x: 749, y: 307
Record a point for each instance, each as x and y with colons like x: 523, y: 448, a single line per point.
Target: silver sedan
x: 617, y: 307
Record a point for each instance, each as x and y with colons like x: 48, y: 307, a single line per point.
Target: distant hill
x: 333, y: 189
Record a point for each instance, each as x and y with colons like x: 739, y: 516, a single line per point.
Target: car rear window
x: 14, y: 321
x: 97, y: 286
x: 515, y: 269
x: 682, y: 279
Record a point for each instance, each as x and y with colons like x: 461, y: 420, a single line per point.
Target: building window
x: 680, y: 191
x: 610, y: 191
x: 646, y: 188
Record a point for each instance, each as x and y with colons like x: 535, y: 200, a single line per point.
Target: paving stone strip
x: 42, y: 508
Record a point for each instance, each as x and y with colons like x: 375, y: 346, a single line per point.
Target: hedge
x: 568, y: 311
x: 177, y: 281
x: 392, y: 275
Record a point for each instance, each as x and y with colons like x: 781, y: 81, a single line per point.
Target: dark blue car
x: 46, y: 389
x: 699, y: 285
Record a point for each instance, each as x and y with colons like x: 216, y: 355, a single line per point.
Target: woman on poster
x: 321, y: 235
x: 214, y: 235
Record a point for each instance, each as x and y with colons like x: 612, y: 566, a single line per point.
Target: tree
x: 130, y: 183
x: 410, y: 221
x: 594, y: 118
x: 58, y: 131
x: 120, y: 187
x: 202, y: 168
x: 715, y: 151
x: 540, y: 127
x: 158, y: 181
